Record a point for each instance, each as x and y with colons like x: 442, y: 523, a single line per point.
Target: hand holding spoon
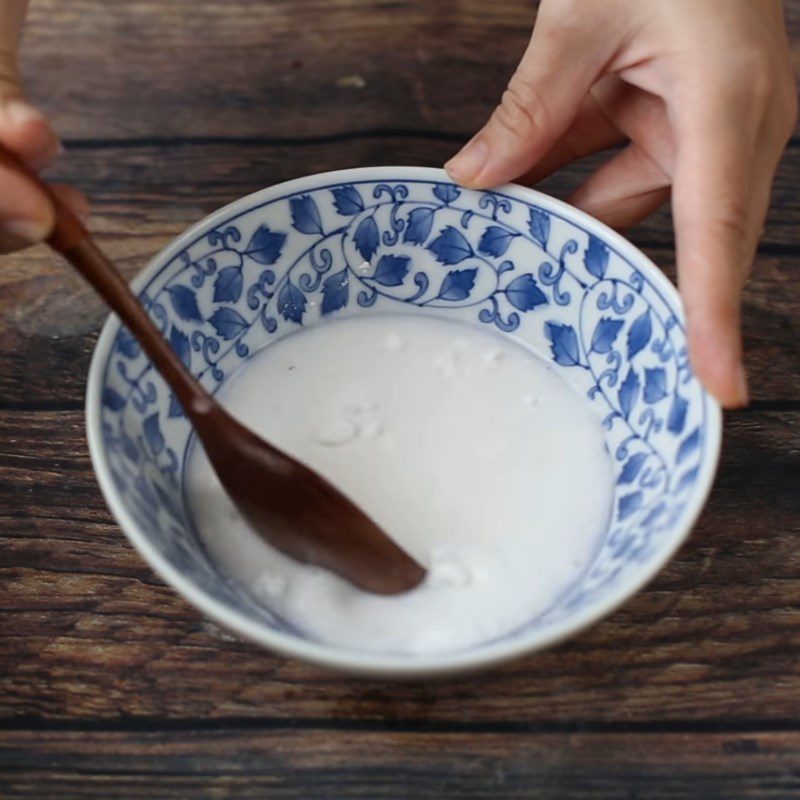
x: 288, y: 504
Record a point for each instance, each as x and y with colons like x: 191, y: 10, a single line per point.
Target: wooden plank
x: 87, y: 630
x: 160, y: 187
x: 384, y: 765
x: 283, y: 68
x: 224, y: 69
x: 88, y: 633
x: 146, y: 196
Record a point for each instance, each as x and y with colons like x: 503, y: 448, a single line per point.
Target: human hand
x: 703, y: 92
x: 26, y: 215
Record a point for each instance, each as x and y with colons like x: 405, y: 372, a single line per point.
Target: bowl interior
x: 402, y: 240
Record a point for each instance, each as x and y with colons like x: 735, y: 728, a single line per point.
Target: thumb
x: 26, y: 214
x: 543, y: 96
x: 23, y: 129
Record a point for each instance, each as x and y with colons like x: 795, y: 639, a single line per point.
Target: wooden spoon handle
x: 71, y: 239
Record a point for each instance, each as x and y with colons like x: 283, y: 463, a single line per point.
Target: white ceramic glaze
x: 406, y: 240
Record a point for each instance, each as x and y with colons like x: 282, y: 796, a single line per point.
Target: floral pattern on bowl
x: 389, y: 240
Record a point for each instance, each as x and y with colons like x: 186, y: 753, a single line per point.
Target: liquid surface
x: 465, y: 447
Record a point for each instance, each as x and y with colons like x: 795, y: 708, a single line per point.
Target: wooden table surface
x: 112, y: 686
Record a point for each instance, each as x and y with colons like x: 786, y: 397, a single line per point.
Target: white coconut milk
x: 464, y: 446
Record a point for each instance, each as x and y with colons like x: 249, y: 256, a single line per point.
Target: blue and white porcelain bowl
x: 537, y: 270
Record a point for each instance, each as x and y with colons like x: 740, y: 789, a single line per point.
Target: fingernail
x: 467, y: 164
x: 20, y: 112
x: 29, y: 230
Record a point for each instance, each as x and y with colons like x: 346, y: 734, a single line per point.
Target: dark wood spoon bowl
x: 286, y: 503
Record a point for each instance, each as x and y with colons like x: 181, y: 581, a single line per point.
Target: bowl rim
x: 352, y: 661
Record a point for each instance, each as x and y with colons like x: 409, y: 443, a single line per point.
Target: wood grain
x: 381, y: 765
x: 144, y: 187
x: 145, y: 196
x: 112, y: 686
x: 87, y: 630
x: 278, y: 68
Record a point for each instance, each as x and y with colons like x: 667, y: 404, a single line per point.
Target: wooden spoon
x: 287, y: 503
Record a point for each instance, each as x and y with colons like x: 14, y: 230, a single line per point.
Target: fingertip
x: 16, y: 233
x: 26, y: 131
x: 730, y: 391
x: 26, y: 213
x: 741, y: 397
x: 717, y: 362
x: 466, y: 166
x: 728, y: 386
x: 501, y: 151
x: 20, y: 113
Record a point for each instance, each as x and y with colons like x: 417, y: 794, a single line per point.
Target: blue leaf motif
x: 595, y: 259
x: 391, y: 270
x: 113, y: 400
x: 180, y: 344
x: 639, y: 334
x: 348, y: 201
x: 265, y: 245
x: 629, y: 504
x: 168, y: 502
x: 228, y: 323
x: 129, y: 448
x: 563, y: 343
x: 688, y: 445
x: 629, y: 392
x: 450, y: 247
x: 335, y: 291
x: 184, y: 302
x: 119, y: 481
x: 655, y: 385
x: 291, y: 303
x: 653, y: 515
x: 539, y: 226
x: 175, y: 408
x: 152, y: 434
x: 524, y: 294
x: 305, y: 214
x: 495, y: 241
x: 686, y: 479
x: 142, y: 486
x: 418, y: 225
x: 126, y: 344
x: 605, y: 334
x: 457, y: 284
x: 366, y: 238
x: 677, y: 415
x: 228, y: 285
x: 446, y: 192
x: 632, y: 468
